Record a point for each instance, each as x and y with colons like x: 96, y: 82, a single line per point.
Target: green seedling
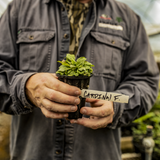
x: 71, y: 67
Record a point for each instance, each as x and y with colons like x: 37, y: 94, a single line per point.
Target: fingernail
x: 76, y: 101
x: 73, y: 108
x: 84, y: 111
x: 65, y: 115
x: 77, y: 93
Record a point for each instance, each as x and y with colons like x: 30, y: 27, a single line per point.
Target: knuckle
x: 43, y: 79
x: 38, y: 92
x: 40, y: 106
x: 38, y: 103
x: 52, y: 96
x: 103, y: 113
x: 43, y: 102
x: 56, y: 85
x: 69, y: 100
x: 95, y: 127
x: 46, y: 105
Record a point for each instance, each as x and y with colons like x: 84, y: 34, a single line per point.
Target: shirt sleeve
x: 140, y: 76
x: 12, y: 80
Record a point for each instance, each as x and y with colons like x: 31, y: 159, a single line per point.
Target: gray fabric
x: 32, y: 41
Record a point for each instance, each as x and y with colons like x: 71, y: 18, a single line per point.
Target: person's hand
x: 53, y: 97
x: 101, y: 114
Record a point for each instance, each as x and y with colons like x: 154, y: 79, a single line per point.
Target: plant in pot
x: 139, y: 131
x: 76, y: 73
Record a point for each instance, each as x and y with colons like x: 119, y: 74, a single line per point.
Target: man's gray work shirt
x: 35, y: 34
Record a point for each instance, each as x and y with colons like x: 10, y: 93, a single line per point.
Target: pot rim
x: 73, y: 77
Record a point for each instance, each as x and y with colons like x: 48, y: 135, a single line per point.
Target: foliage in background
x: 70, y: 67
x: 152, y: 118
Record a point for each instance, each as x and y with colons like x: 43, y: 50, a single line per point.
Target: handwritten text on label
x: 108, y: 96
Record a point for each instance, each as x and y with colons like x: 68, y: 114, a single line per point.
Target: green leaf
x: 60, y: 62
x: 72, y: 66
x: 63, y: 68
x: 155, y: 119
x: 81, y: 60
x: 82, y: 69
x: 70, y: 57
x: 65, y: 63
x: 145, y: 117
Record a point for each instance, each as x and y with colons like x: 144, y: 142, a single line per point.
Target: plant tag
x: 108, y: 96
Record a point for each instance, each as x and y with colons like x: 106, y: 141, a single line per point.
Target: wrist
x: 29, y: 90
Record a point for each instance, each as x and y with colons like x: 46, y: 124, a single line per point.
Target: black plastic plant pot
x: 81, y: 82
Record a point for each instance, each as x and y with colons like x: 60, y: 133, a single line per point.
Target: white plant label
x: 108, y: 96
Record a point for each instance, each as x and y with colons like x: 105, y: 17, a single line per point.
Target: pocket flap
x: 35, y: 36
x: 110, y: 40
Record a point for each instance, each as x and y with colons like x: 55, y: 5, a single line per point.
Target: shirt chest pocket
x: 107, y: 54
x: 35, y: 50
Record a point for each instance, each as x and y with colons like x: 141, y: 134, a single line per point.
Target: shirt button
x: 31, y: 37
x: 113, y: 42
x: 59, y: 123
x: 65, y: 36
x: 58, y: 152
